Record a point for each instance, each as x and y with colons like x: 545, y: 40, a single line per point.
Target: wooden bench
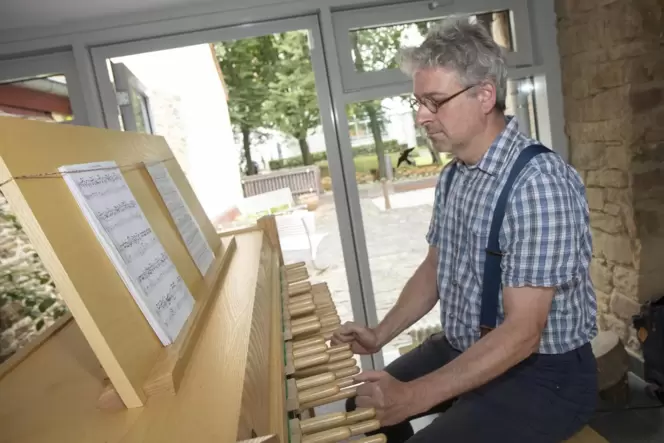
x: 587, y: 435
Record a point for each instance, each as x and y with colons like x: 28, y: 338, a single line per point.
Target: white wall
x: 188, y: 102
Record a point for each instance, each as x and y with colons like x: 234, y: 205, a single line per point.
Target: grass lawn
x: 365, y: 163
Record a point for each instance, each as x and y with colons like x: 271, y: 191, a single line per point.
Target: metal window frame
x: 58, y: 63
x: 347, y: 20
x: 126, y: 82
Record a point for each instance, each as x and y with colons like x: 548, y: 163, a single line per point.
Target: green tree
x: 375, y: 49
x: 292, y: 107
x: 248, y: 67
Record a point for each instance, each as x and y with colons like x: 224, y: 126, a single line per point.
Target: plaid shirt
x: 545, y: 238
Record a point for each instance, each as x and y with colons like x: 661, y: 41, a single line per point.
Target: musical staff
x: 139, y: 257
x: 189, y: 230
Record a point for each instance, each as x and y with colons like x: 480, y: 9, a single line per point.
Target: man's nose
x: 423, y: 115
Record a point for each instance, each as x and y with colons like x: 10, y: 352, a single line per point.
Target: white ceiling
x: 17, y: 14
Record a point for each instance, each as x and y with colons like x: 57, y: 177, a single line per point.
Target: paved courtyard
x: 396, y: 245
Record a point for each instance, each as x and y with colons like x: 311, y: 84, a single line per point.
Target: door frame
x: 128, y: 82
x: 57, y: 63
x: 341, y: 166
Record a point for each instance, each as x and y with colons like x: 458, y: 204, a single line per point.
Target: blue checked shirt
x: 545, y: 239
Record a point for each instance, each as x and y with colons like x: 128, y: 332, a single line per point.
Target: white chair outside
x: 297, y: 233
x: 271, y: 202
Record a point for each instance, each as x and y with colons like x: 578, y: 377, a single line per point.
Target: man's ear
x: 486, y: 94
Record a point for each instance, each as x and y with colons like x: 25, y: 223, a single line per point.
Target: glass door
x: 396, y: 168
x: 247, y: 112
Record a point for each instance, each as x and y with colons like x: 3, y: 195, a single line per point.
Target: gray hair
x: 464, y: 47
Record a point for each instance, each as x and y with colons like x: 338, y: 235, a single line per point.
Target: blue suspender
x: 492, y: 273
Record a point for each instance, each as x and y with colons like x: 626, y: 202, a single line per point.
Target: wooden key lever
x: 334, y: 427
x: 317, y: 353
x: 320, y: 389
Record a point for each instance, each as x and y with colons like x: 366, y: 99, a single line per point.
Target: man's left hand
x: 392, y: 399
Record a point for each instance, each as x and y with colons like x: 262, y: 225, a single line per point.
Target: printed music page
x: 189, y: 229
x: 139, y: 257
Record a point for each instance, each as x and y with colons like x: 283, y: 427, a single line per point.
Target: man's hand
x: 362, y: 340
x: 392, y: 399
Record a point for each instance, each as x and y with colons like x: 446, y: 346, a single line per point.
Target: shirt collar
x: 495, y: 158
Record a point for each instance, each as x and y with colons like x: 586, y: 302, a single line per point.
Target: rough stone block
x: 607, y: 178
x: 604, y: 155
x: 648, y: 153
x: 649, y: 221
x: 622, y: 197
x: 601, y: 276
x: 647, y: 180
x: 625, y: 281
x: 612, y: 208
x: 614, y: 248
x: 645, y: 100
x: 649, y: 127
x: 595, y: 198
x: 618, y: 130
x: 624, y: 307
x: 606, y: 223
x: 603, y: 301
x: 615, y: 324
x: 606, y: 105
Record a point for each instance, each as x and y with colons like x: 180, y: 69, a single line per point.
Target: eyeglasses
x: 434, y: 106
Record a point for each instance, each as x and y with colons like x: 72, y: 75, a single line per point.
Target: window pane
x: 39, y: 98
x: 520, y: 102
x: 397, y: 211
x: 376, y: 49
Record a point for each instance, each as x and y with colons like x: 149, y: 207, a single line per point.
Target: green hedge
x: 291, y: 162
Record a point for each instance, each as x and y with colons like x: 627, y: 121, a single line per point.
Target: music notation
x: 139, y: 257
x: 189, y: 229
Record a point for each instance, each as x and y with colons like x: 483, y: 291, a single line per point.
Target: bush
x: 390, y: 146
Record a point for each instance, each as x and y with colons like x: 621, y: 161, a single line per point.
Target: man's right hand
x: 362, y: 340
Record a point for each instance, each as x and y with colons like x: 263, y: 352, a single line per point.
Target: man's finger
x: 339, y: 337
x: 369, y: 376
x: 366, y: 389
x: 364, y: 402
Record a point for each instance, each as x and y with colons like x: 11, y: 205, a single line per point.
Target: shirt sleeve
x: 541, y: 233
x: 433, y: 235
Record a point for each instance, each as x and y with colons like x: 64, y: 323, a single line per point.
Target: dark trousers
x: 545, y: 398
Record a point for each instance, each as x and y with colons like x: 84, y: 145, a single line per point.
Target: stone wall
x: 29, y: 302
x: 612, y: 61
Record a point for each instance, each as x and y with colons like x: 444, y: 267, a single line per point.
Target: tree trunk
x: 371, y: 111
x: 374, y: 124
x: 304, y: 148
x: 250, y: 168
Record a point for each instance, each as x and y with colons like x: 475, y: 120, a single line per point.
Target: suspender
x: 492, y: 272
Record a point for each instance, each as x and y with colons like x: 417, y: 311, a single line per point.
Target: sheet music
x: 189, y: 229
x: 139, y: 257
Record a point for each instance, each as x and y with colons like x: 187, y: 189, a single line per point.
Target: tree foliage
x: 375, y: 49
x: 292, y: 106
x: 247, y: 66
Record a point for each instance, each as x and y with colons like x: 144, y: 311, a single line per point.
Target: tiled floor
x: 624, y: 426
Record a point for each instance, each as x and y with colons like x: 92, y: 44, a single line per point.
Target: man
x: 517, y: 307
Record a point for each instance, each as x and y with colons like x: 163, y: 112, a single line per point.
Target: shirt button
x: 450, y: 315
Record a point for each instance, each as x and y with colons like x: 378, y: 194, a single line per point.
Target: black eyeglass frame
x: 416, y: 103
